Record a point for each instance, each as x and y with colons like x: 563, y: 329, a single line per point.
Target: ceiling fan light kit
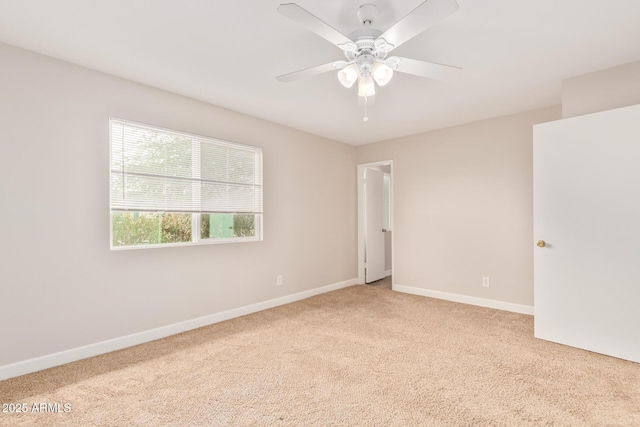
x: 348, y: 75
x: 366, y: 49
x: 366, y: 88
x: 382, y: 73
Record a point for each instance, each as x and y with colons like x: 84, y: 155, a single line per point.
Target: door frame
x: 362, y: 212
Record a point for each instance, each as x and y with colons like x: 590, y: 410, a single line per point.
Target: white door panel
x: 587, y: 210
x: 374, y: 220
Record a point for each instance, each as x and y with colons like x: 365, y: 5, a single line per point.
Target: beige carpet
x: 358, y: 356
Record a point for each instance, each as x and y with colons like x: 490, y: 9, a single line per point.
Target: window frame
x: 196, y: 228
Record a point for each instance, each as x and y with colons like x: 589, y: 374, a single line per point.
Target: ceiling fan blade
x: 430, y: 70
x: 426, y: 15
x: 308, y: 72
x: 315, y: 24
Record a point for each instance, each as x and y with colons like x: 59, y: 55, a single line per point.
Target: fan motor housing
x: 364, y: 34
x: 366, y: 51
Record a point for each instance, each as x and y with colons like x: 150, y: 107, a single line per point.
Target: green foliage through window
x: 134, y: 228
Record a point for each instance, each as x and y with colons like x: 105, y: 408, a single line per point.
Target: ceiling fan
x: 367, y: 49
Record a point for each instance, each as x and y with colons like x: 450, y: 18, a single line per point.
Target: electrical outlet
x: 485, y: 282
x: 279, y: 280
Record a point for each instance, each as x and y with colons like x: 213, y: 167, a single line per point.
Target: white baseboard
x: 482, y: 302
x: 388, y: 273
x: 74, y: 354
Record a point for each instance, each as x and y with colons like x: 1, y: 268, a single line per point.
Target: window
x: 171, y: 187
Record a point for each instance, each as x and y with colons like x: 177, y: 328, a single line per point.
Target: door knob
x: 384, y: 230
x: 541, y: 243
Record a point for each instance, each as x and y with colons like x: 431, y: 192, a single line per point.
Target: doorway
x: 375, y: 223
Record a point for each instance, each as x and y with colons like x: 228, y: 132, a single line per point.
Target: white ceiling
x: 515, y: 54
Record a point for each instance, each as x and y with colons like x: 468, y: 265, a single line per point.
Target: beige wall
x: 601, y: 90
x: 61, y: 287
x: 463, y: 206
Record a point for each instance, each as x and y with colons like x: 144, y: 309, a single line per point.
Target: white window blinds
x: 159, y: 170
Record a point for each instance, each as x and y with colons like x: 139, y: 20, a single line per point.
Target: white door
x: 374, y: 220
x: 587, y: 210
